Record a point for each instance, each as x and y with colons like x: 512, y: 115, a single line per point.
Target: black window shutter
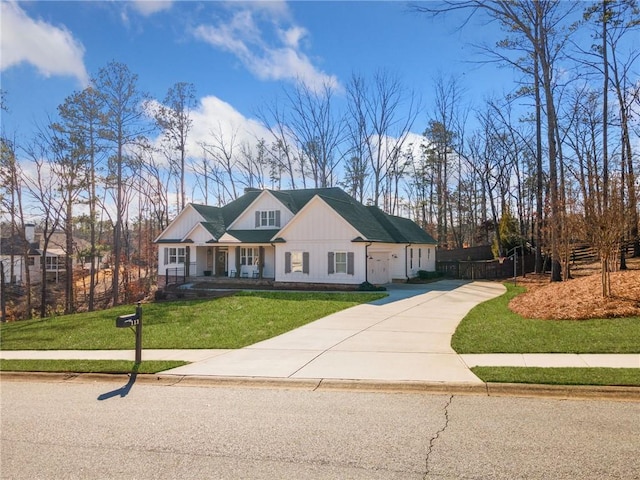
x: 287, y: 262
x: 331, y: 263
x: 257, y: 218
x: 166, y: 255
x: 278, y: 218
x: 350, y: 262
x: 305, y: 262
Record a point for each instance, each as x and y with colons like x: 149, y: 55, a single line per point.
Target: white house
x: 302, y: 236
x: 12, y: 258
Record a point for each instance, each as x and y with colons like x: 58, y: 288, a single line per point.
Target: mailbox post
x: 133, y: 320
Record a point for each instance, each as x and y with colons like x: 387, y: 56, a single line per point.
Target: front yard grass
x: 87, y: 366
x: 226, y: 322
x: 492, y: 327
x: 560, y: 376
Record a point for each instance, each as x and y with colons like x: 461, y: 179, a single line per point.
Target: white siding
x: 320, y: 230
x: 162, y: 266
x: 182, y: 224
x: 265, y: 201
x: 200, y: 235
x: 425, y: 262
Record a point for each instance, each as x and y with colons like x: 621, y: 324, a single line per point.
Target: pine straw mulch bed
x: 579, y: 298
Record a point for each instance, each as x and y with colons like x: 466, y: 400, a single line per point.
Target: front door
x: 378, y: 266
x: 221, y: 263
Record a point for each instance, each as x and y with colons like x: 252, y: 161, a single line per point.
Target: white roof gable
x: 318, y: 221
x: 199, y: 234
x: 181, y: 225
x: 265, y: 201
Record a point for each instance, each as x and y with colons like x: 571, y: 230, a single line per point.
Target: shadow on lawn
x: 124, y: 390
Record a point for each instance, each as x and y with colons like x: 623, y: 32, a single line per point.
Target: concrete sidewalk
x: 403, y: 337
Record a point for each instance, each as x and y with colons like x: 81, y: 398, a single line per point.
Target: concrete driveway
x: 403, y: 337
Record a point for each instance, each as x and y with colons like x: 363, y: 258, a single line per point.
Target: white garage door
x: 378, y: 267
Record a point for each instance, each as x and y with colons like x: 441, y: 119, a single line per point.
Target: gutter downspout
x: 366, y: 262
x: 406, y: 271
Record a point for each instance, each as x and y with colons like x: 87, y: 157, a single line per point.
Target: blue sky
x: 238, y: 55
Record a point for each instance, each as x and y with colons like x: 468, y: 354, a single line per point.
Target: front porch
x: 178, y: 276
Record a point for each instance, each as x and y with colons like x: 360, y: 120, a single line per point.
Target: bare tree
x: 224, y: 151
x: 381, y: 130
x: 12, y: 182
x: 44, y: 189
x: 317, y: 131
x: 284, y: 157
x: 173, y: 117
x: 124, y: 116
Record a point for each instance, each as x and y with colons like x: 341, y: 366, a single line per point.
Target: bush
x: 424, y: 275
x: 370, y: 287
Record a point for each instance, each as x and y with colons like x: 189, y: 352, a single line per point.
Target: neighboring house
x: 301, y: 236
x: 12, y: 249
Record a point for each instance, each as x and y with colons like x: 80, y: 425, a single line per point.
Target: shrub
x: 370, y: 287
x: 424, y: 275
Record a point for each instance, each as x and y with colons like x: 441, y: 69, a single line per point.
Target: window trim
x: 336, y: 263
x: 267, y: 218
x: 179, y: 253
x: 245, y: 256
x: 333, y: 263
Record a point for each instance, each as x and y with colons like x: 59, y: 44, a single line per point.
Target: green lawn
x: 87, y: 366
x: 492, y: 328
x: 560, y: 376
x: 227, y: 322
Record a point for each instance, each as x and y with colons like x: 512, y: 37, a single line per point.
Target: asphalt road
x: 88, y: 430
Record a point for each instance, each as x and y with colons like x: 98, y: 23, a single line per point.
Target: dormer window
x: 268, y: 219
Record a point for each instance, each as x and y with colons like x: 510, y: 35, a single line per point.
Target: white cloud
x: 267, y: 49
x: 52, y: 50
x: 213, y: 115
x: 149, y: 7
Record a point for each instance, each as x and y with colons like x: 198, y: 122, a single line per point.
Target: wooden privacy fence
x: 486, y: 269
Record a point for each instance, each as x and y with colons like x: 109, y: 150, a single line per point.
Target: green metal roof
x: 372, y: 223
x: 216, y: 229
x: 253, y: 236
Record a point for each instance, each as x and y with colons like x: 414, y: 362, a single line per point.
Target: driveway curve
x: 403, y: 337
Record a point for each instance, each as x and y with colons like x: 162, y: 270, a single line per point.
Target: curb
x: 571, y: 392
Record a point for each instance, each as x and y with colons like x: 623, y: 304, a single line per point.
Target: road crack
x: 434, y: 438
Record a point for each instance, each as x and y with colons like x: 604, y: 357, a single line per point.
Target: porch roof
x: 252, y: 236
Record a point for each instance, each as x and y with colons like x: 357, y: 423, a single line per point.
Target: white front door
x: 378, y: 266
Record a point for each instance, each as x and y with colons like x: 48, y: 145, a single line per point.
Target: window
x: 296, y: 262
x: 54, y: 263
x: 341, y: 262
x: 248, y: 256
x: 32, y: 261
x: 268, y: 218
x: 174, y: 255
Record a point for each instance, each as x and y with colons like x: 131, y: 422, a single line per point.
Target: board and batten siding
x: 200, y: 235
x: 265, y: 201
x: 319, y: 230
x: 182, y: 224
x: 424, y: 258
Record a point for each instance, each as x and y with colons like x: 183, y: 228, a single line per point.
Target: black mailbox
x: 133, y: 320
x: 130, y: 320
